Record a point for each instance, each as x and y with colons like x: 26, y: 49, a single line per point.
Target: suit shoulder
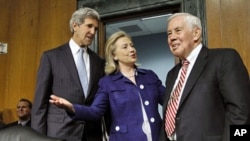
x: 225, y: 53
x: 145, y: 71
x: 223, y: 50
x: 94, y: 54
x: 58, y: 48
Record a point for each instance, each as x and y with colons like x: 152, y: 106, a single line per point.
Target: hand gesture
x: 62, y: 103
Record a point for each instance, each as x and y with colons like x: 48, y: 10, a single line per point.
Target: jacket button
x: 117, y: 128
x: 141, y: 86
x: 152, y: 119
x: 146, y: 102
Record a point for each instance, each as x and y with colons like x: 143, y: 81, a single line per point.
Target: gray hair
x: 191, y: 20
x: 81, y: 14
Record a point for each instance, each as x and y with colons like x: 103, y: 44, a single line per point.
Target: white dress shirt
x: 191, y: 58
x: 74, y: 49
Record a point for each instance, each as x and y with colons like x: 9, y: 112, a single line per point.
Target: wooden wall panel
x: 213, y: 23
x: 21, y: 51
x: 4, y: 26
x: 30, y: 27
x: 54, y: 23
x: 228, y: 26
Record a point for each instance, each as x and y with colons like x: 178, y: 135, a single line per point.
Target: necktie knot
x: 185, y: 63
x: 81, y: 51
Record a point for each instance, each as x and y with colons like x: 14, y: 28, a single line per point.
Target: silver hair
x: 81, y: 14
x: 191, y: 20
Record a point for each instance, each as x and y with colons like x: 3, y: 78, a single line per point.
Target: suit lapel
x: 196, y: 71
x: 92, y: 71
x: 69, y: 62
x: 172, y: 76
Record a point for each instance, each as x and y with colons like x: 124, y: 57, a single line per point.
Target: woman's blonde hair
x: 111, y: 65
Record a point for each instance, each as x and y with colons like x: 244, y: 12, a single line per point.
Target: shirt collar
x: 194, y: 54
x: 23, y: 122
x: 75, y: 47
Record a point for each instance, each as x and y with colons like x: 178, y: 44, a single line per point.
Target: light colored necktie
x: 82, y: 72
x: 173, y: 101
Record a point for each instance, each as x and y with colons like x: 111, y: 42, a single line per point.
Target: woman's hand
x: 62, y: 103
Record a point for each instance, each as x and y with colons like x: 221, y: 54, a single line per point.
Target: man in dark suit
x: 23, y: 112
x: 58, y: 73
x: 215, y: 92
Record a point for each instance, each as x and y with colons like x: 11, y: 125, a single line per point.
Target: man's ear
x: 74, y: 26
x: 197, y: 34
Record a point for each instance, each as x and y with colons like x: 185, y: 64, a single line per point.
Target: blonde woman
x: 129, y: 93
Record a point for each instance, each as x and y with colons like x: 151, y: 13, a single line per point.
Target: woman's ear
x: 115, y: 58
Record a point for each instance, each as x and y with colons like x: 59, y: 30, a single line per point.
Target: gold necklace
x: 131, y: 76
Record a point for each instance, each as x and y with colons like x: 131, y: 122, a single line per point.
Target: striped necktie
x: 173, y: 101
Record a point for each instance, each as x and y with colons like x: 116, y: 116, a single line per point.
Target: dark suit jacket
x: 23, y: 133
x: 216, y: 95
x: 58, y: 75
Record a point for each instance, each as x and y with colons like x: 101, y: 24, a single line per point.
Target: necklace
x: 130, y: 76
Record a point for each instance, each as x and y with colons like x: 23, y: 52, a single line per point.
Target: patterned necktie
x: 81, y: 68
x: 173, y: 101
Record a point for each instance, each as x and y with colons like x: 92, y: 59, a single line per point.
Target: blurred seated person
x: 2, y: 125
x: 23, y: 113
